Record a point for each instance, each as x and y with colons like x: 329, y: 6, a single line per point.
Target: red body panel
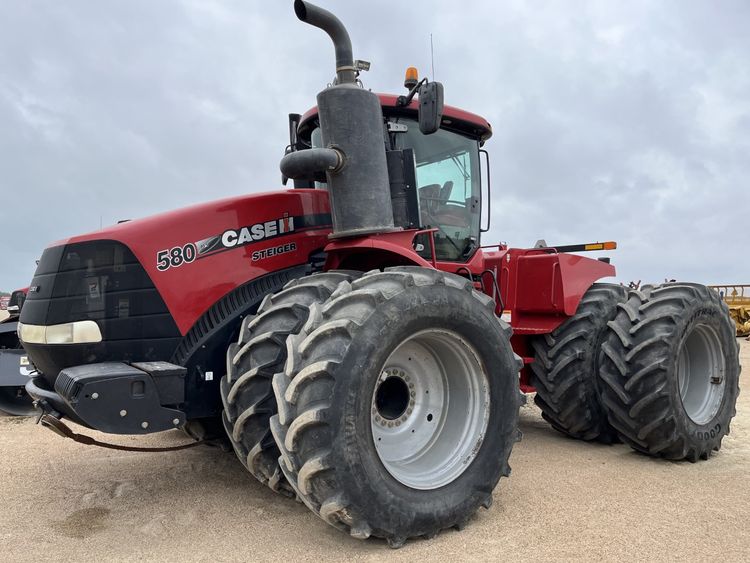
x: 190, y: 289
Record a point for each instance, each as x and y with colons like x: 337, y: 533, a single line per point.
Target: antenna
x: 432, y: 58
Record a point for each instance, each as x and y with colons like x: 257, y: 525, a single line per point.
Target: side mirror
x: 294, y: 119
x: 430, y: 107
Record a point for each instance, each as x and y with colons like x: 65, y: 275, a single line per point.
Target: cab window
x: 448, y: 185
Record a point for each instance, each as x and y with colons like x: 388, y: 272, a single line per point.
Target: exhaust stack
x: 325, y: 20
x: 353, y: 154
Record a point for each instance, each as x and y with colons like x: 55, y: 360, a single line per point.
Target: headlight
x: 78, y: 332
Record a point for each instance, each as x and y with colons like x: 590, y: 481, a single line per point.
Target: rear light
x: 78, y: 332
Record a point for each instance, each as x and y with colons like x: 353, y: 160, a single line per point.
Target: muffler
x: 353, y: 154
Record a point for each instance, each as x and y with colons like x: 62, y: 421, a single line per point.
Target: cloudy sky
x: 626, y: 121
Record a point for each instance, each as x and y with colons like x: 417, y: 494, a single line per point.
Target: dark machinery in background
x: 15, y: 368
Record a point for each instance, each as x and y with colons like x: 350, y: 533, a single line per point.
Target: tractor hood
x: 192, y: 256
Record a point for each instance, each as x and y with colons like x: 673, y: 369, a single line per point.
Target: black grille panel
x: 104, y: 282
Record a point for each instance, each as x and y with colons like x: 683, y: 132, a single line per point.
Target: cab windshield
x: 448, y: 187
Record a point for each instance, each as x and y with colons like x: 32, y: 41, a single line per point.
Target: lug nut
x: 144, y: 425
x: 94, y: 395
x: 123, y: 412
x: 176, y: 422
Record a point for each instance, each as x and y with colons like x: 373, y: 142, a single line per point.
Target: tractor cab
x: 448, y: 184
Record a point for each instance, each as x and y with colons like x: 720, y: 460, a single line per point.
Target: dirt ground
x: 565, y: 500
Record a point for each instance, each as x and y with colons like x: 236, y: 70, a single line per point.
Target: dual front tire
x: 397, y: 404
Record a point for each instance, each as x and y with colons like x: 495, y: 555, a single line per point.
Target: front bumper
x: 115, y: 397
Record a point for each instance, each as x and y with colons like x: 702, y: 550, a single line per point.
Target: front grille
x: 104, y: 282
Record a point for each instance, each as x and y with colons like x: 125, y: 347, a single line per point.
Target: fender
x: 375, y: 251
x: 553, y: 286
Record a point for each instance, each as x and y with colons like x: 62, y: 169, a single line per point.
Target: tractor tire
x: 258, y: 354
x: 566, y: 365
x: 363, y: 442
x: 669, y: 371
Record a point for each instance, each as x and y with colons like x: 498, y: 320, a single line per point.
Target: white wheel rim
x: 701, y: 374
x: 430, y: 409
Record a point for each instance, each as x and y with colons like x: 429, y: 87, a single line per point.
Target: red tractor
x: 359, y: 343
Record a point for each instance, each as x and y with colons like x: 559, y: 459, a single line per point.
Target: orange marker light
x: 609, y: 245
x: 412, y: 77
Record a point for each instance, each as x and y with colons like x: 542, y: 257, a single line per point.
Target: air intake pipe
x: 351, y: 124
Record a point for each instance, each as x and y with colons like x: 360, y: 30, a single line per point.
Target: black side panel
x: 402, y: 175
x: 203, y: 349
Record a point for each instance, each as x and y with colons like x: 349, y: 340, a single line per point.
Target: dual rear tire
x: 566, y: 365
x: 670, y: 371
x: 656, y: 368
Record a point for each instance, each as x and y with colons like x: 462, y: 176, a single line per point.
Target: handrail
x: 730, y: 295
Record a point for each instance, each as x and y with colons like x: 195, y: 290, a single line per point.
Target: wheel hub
x: 394, y: 398
x: 430, y: 409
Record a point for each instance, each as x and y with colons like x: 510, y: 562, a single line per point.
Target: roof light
x: 412, y: 78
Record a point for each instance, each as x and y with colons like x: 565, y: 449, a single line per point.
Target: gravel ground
x: 565, y: 500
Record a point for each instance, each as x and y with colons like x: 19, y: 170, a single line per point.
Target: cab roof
x: 454, y: 118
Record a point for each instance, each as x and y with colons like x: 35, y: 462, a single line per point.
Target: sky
x: 625, y: 121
